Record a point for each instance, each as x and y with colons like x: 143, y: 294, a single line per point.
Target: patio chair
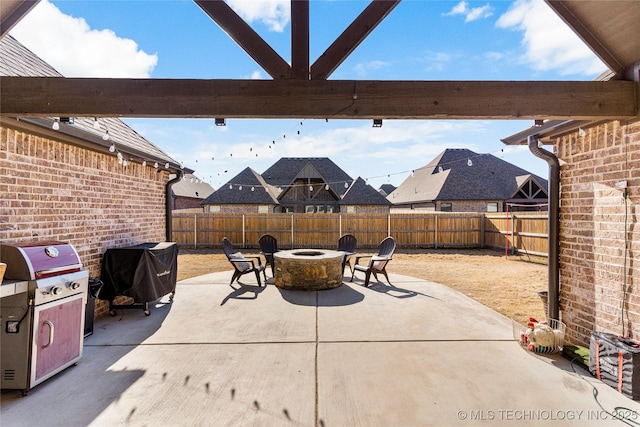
x: 377, y: 263
x: 268, y: 246
x: 242, y: 264
x: 347, y: 244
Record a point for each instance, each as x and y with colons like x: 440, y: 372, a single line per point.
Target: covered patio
x: 415, y: 353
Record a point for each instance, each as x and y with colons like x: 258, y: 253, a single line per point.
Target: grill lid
x: 37, y: 260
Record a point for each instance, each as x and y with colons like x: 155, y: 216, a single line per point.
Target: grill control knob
x: 73, y: 285
x: 55, y: 290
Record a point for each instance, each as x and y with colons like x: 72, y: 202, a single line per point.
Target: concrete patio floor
x: 413, y: 354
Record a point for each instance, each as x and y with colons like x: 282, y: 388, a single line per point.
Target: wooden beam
x: 343, y: 99
x: 246, y: 37
x: 300, y: 39
x: 12, y: 11
x: 347, y: 42
x: 577, y: 25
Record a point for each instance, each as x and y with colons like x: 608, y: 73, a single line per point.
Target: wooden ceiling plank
x: 12, y: 11
x: 342, y: 99
x: 351, y: 38
x: 300, y: 39
x: 587, y: 35
x: 246, y: 37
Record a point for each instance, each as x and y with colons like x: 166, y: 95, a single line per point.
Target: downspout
x: 168, y: 215
x: 554, y: 224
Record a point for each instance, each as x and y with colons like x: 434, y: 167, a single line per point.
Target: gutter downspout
x: 554, y: 223
x: 168, y: 214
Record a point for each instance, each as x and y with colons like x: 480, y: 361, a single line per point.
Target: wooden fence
x: 519, y: 232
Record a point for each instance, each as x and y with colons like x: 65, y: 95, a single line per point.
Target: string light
x: 56, y: 124
x: 96, y: 123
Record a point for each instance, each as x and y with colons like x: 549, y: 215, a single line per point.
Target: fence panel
x: 525, y: 232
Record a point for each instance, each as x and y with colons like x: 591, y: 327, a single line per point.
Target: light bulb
x: 120, y: 156
x: 230, y: 187
x: 346, y: 185
x: 112, y: 149
x: 252, y: 188
x: 144, y: 163
x: 326, y: 187
x: 469, y: 162
x: 166, y: 165
x: 125, y: 162
x: 96, y: 124
x: 155, y: 165
x: 310, y: 188
x: 240, y: 188
x: 105, y: 136
x: 56, y: 125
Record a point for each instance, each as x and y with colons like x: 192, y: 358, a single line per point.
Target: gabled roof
x: 191, y: 186
x: 361, y: 193
x: 246, y: 188
x: 285, y: 171
x: 461, y: 174
x: 17, y: 60
x: 386, y: 189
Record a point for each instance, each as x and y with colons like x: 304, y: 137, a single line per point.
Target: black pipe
x: 554, y: 224
x: 168, y: 215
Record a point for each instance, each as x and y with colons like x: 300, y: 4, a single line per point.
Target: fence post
x: 292, y: 231
x: 244, y: 235
x: 195, y: 231
x: 340, y: 225
x: 483, y: 219
x: 389, y: 225
x: 435, y: 233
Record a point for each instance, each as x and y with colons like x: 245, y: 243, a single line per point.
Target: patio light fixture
x: 220, y: 122
x: 377, y: 123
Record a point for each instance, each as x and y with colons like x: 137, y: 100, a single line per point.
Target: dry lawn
x: 508, y: 285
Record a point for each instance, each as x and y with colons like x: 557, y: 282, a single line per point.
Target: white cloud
x: 73, y: 48
x: 470, y: 14
x: 549, y: 43
x: 363, y: 68
x: 275, y: 14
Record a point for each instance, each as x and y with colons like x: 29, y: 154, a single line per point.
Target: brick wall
x: 595, y: 218
x: 56, y: 191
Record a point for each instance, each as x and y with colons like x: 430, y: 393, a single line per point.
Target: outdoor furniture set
x: 309, y: 269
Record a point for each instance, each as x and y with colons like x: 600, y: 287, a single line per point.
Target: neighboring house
x: 189, y: 192
x: 72, y: 185
x: 297, y: 185
x: 386, y: 189
x: 459, y: 180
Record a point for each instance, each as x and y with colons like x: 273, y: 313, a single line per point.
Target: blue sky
x: 419, y: 40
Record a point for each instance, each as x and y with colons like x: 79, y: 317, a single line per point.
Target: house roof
x: 246, y: 188
x: 361, y: 193
x: 191, y: 186
x: 286, y: 170
x: 461, y: 174
x: 386, y: 189
x: 17, y: 60
x: 269, y: 186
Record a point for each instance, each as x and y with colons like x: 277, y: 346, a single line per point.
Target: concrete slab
x: 412, y: 354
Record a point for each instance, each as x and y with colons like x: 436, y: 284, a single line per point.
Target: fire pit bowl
x: 308, y: 269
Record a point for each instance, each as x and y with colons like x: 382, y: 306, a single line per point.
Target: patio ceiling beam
x: 351, y: 38
x: 300, y: 39
x: 246, y: 38
x: 340, y: 99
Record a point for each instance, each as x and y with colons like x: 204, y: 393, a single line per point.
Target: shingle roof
x: 386, y: 189
x: 285, y: 171
x: 361, y: 193
x: 191, y: 186
x: 246, y: 188
x: 461, y: 174
x: 17, y: 60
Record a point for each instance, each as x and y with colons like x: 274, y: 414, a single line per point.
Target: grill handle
x: 51, y: 332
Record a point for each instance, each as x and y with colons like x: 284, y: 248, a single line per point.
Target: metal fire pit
x: 308, y: 269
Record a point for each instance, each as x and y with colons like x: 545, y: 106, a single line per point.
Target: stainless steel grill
x: 44, y: 293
